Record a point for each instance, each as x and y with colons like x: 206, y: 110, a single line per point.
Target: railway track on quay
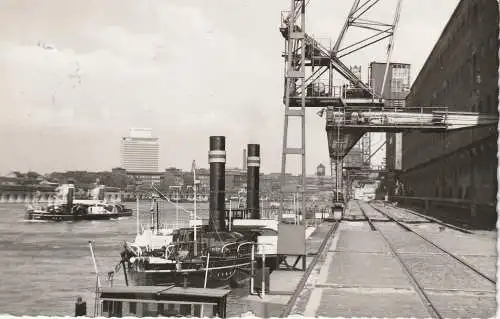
x: 434, y: 259
x: 312, y: 266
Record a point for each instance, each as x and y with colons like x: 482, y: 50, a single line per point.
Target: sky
x: 76, y: 75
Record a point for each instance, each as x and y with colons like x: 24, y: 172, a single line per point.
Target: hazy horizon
x: 77, y: 75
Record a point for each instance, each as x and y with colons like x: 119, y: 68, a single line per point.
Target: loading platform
x: 382, y: 261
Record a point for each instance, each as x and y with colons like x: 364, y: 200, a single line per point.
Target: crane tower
x: 309, y: 71
x: 351, y: 110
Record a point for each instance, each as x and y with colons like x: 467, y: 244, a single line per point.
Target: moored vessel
x: 215, y: 254
x: 67, y: 208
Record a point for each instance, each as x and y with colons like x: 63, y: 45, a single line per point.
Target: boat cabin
x: 162, y: 301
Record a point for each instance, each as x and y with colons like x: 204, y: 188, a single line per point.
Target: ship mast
x: 194, y: 208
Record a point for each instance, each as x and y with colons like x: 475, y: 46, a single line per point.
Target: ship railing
x: 175, y: 248
x: 170, y: 251
x: 244, y: 213
x: 387, y: 115
x: 225, y: 249
x: 243, y: 252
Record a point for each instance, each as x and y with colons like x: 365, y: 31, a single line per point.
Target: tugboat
x: 219, y: 259
x: 67, y: 208
x: 202, y: 256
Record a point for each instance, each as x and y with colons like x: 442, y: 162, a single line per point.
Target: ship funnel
x: 253, y: 171
x: 70, y: 194
x: 101, y: 192
x: 217, y: 161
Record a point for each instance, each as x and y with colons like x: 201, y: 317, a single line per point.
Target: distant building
x: 320, y: 170
x: 235, y: 179
x: 140, y: 155
x: 396, y: 88
x: 397, y: 84
x: 354, y: 159
x: 203, y: 175
x: 145, y: 178
x: 118, y: 170
x: 140, y: 151
x: 244, y: 159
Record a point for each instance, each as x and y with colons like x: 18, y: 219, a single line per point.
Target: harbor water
x: 46, y: 265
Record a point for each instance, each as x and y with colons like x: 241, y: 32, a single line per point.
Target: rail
x: 437, y: 221
x: 452, y: 201
x: 300, y: 286
x: 465, y: 211
x: 418, y: 288
x: 460, y: 260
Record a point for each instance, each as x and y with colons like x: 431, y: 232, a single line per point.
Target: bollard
x: 80, y: 307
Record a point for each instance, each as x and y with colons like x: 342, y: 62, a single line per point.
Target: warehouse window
x: 474, y: 66
x: 474, y: 14
x: 466, y: 193
x: 489, y: 105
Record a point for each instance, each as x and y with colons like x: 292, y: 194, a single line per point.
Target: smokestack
x: 70, y: 195
x: 100, y: 195
x: 217, y: 161
x: 244, y: 159
x: 253, y: 171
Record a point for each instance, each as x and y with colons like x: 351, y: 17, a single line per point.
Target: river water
x: 46, y: 265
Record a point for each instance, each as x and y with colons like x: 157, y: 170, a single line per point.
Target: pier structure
x: 385, y: 261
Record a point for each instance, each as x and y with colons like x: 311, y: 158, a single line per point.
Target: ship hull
x: 70, y: 217
x: 192, y: 279
x: 222, y: 272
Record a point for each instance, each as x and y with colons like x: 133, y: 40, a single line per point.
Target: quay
x: 384, y: 261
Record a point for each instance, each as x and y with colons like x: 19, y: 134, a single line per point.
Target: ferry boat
x: 80, y: 210
x: 66, y: 208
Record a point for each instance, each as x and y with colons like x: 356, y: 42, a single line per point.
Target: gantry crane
x: 350, y: 111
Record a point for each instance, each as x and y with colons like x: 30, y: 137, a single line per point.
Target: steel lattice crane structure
x: 350, y: 112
